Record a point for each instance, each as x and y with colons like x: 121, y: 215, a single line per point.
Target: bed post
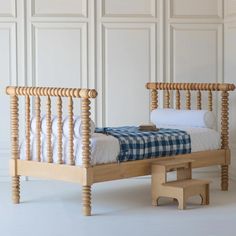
x: 14, y: 148
x: 225, y: 139
x: 86, y: 189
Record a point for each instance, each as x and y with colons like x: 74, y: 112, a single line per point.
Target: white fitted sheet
x: 105, y: 149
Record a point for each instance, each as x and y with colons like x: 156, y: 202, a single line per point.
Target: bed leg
x: 86, y: 200
x: 16, y: 189
x: 224, y: 177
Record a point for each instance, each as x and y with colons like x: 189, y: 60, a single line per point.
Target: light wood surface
x: 38, y: 127
x: 59, y: 129
x: 87, y: 174
x: 167, y: 99
x: 14, y: 148
x: 224, y: 137
x: 191, y: 86
x: 199, y: 100
x: 154, y: 99
x: 49, y: 131
x: 188, y: 100
x: 177, y: 99
x: 27, y: 126
x: 210, y: 101
x: 71, y: 132
x: 180, y: 189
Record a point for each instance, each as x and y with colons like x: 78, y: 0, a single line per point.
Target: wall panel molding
x: 61, y: 29
x: 190, y: 9
x: 8, y: 8
x: 129, y: 8
x: 143, y: 33
x: 230, y: 8
x: 63, y: 8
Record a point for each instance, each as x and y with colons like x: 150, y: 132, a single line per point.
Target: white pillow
x: 187, y: 118
x: 65, y: 126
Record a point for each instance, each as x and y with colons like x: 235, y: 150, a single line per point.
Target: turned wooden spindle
x: 49, y: 131
x: 167, y: 99
x: 224, y: 137
x: 59, y: 129
x: 38, y: 127
x: 188, y: 100
x: 177, y: 99
x: 210, y: 103
x: 71, y: 132
x: 199, y: 100
x: 154, y: 99
x: 86, y: 153
x: 27, y: 126
x: 14, y: 148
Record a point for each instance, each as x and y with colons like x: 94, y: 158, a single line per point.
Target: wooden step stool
x: 181, y: 189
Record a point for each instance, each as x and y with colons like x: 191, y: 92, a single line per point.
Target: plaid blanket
x: 139, y: 145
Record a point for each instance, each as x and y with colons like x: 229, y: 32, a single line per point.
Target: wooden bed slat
x: 59, y: 129
x: 177, y: 94
x: 27, y: 126
x: 71, y: 132
x: 38, y: 127
x: 199, y: 100
x: 49, y: 131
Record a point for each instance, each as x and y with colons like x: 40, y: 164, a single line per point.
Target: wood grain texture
x: 167, y: 99
x: 188, y: 100
x: 177, y: 100
x: 52, y: 92
x: 154, y: 99
x: 59, y: 129
x: 210, y: 101
x: 199, y: 100
x: 15, y: 148
x: 224, y: 137
x: 71, y: 132
x: 27, y: 127
x: 49, y: 131
x: 38, y: 127
x: 191, y: 86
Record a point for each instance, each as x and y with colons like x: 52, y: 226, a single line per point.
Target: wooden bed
x: 87, y: 175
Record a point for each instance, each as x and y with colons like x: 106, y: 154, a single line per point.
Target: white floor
x: 51, y: 208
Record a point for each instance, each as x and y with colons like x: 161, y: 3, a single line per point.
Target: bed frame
x: 86, y: 175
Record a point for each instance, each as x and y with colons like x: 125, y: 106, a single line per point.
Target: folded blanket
x: 139, y: 145
x: 187, y: 118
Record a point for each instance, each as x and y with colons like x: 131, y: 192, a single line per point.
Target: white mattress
x: 105, y: 149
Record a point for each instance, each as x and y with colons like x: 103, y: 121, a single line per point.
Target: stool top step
x: 186, y: 183
x: 173, y: 163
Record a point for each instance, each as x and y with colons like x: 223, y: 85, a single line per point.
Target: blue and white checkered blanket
x: 139, y: 145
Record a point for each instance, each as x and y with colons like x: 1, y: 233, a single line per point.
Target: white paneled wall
x: 115, y: 46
